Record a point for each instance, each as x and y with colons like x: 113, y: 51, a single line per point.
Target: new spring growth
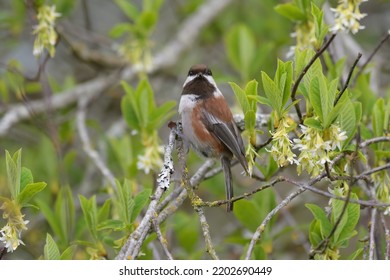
x: 46, y: 36
x: 347, y: 16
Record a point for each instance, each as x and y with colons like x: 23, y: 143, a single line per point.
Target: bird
x: 208, y: 124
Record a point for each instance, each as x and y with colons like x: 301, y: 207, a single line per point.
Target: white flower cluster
x: 315, y: 146
x: 11, y: 234
x: 151, y: 159
x: 46, y: 36
x: 347, y: 16
x: 281, y: 145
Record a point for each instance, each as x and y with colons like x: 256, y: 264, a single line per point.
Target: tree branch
x: 303, y: 73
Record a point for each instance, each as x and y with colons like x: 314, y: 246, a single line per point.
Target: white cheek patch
x: 189, y: 79
x: 187, y: 102
x: 217, y: 92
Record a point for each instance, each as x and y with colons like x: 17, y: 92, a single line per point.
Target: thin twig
x: 218, y: 203
x: 136, y: 239
x: 384, y: 39
x: 89, y: 150
x: 160, y: 238
x: 259, y: 231
x: 304, y: 71
x: 348, y: 79
x: 206, y: 233
x: 323, y: 244
x: 372, y: 243
x: 387, y: 235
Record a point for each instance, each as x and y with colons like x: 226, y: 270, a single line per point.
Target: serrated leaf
x: 29, y: 192
x: 140, y: 200
x: 26, y: 178
x: 51, y: 251
x: 320, y: 216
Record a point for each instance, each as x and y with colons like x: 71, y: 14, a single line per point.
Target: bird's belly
x: 201, y: 147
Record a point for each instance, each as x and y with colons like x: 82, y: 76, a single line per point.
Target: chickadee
x: 208, y: 123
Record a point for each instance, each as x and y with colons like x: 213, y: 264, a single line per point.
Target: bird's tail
x: 228, y: 182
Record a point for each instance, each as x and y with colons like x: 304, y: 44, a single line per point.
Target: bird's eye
x: 208, y: 72
x: 191, y: 73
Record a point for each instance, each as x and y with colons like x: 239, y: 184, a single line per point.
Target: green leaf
x: 272, y: 92
x: 68, y: 253
x: 290, y: 11
x: 88, y: 207
x: 320, y: 216
x: 347, y: 120
x: 240, y: 43
x: 29, y: 192
x: 250, y: 120
x: 251, y: 90
x: 260, y: 99
x: 314, y: 123
x: 161, y: 115
x: 240, y: 96
x: 283, y: 78
x: 129, y: 108
x: 147, y: 20
x: 111, y: 225
x: 355, y: 254
x: 378, y: 117
x: 186, y: 229
x: 52, y: 219
x: 315, y: 235
x: 13, y: 165
x: 140, y: 200
x: 125, y: 201
x: 120, y: 29
x: 51, y: 251
x: 104, y: 211
x: 26, y: 178
x: 247, y: 214
x: 353, y: 211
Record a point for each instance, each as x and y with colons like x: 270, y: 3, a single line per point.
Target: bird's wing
x: 228, y: 133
